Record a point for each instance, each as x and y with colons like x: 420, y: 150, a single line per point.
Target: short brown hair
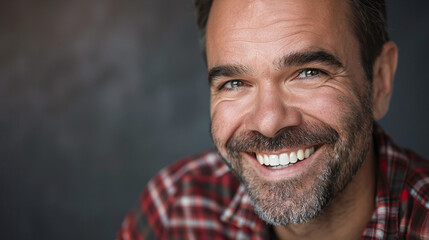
x: 368, y: 19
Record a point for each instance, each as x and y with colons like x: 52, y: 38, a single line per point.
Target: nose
x: 271, y: 112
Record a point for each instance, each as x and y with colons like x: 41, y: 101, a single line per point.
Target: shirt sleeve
x: 136, y: 225
x: 130, y: 228
x: 148, y: 220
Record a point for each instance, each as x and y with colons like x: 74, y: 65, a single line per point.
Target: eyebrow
x: 302, y: 58
x: 293, y: 59
x: 226, y: 71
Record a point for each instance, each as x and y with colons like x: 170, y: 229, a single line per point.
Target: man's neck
x: 347, y: 215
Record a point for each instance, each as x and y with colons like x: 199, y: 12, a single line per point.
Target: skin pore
x: 286, y: 75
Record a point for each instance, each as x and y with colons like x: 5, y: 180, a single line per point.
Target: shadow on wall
x: 98, y: 95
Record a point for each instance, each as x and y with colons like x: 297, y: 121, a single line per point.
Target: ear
x: 383, y: 74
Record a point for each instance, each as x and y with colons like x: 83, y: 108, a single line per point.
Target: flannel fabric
x: 199, y: 198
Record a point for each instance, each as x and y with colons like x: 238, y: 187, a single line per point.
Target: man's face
x: 290, y: 105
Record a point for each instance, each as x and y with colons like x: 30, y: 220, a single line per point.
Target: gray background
x: 98, y: 95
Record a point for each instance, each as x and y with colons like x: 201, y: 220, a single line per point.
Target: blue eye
x: 308, y: 73
x: 233, y: 85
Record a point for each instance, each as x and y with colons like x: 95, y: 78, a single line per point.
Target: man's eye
x: 233, y: 85
x: 308, y: 73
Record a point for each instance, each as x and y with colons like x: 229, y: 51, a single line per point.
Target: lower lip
x: 282, y: 173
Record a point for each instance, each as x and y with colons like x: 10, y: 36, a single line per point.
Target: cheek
x: 326, y: 105
x: 226, y: 117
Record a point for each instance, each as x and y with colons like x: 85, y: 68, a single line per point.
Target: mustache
x: 290, y: 137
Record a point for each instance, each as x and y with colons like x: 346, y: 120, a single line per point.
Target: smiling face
x: 290, y: 104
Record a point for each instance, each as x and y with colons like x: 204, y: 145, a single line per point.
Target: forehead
x: 272, y: 27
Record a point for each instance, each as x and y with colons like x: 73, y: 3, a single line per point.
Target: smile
x: 282, y: 160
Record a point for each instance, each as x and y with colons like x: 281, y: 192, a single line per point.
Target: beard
x: 302, y: 198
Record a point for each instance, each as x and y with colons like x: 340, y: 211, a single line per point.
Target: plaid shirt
x: 199, y: 198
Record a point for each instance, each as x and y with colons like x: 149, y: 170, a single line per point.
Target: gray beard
x: 299, y: 200
x: 288, y: 202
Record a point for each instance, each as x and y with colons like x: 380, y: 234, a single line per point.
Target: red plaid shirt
x: 199, y: 198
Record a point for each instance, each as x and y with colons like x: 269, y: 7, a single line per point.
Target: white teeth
x: 293, y: 158
x: 274, y: 160
x: 266, y: 160
x: 300, y: 154
x: 260, y: 159
x: 284, y: 159
x: 307, y: 153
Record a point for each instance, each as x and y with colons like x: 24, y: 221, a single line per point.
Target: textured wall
x: 98, y: 95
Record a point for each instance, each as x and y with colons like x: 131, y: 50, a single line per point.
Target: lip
x: 284, y: 173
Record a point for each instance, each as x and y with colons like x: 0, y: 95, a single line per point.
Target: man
x: 295, y: 89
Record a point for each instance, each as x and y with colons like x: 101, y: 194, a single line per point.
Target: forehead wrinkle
x: 262, y: 34
x: 256, y: 23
